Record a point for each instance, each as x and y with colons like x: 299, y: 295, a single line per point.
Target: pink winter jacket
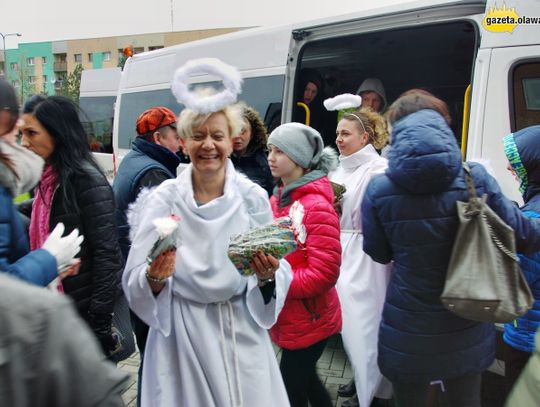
x: 312, y: 311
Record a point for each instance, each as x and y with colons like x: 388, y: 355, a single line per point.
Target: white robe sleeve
x: 266, y: 315
x: 155, y: 311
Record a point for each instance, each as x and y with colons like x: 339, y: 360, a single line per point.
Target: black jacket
x: 255, y: 167
x: 95, y: 288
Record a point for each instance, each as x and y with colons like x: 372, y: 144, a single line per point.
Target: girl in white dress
x: 362, y: 282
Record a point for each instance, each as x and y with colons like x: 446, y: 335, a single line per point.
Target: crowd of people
x: 370, y: 263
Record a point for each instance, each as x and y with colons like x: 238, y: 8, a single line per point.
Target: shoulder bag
x: 484, y: 281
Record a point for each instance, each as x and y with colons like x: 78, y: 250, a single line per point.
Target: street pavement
x: 333, y: 368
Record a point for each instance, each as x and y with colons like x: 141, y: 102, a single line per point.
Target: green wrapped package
x: 339, y: 190
x: 276, y: 239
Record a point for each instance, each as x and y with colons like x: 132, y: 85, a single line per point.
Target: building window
x: 107, y: 56
x: 138, y: 50
x: 44, y: 60
x: 14, y: 66
x: 16, y: 83
x: 31, y: 80
x: 90, y: 57
x: 30, y: 61
x: 44, y: 80
x: 155, y: 47
x: 78, y: 58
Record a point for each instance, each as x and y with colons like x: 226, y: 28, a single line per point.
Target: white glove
x: 65, y: 248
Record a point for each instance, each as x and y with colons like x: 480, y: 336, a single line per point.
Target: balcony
x: 60, y: 66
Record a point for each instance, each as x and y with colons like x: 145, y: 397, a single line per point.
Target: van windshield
x: 96, y: 114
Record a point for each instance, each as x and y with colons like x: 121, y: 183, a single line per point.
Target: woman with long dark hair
x: 73, y: 190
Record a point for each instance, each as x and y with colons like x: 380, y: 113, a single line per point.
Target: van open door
x: 427, y: 45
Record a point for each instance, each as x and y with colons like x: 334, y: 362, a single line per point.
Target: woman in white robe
x: 208, y: 344
x: 362, y: 282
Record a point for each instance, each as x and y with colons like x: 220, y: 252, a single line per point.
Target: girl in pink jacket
x: 311, y: 313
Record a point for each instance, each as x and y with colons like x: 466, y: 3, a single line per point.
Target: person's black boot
x: 347, y: 390
x: 352, y: 402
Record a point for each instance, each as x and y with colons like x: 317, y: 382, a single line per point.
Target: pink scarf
x: 41, y: 213
x: 41, y: 208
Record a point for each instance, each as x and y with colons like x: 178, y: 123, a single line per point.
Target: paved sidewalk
x: 333, y: 367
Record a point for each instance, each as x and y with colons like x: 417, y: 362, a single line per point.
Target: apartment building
x: 42, y: 67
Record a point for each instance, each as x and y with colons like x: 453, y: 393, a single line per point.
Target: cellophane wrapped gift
x: 339, y: 190
x: 168, y: 236
x: 276, y: 239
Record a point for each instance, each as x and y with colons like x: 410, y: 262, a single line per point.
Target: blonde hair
x: 373, y: 124
x: 189, y: 119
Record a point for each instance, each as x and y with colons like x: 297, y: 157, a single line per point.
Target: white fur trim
x: 136, y: 209
x: 343, y: 101
x: 230, y: 76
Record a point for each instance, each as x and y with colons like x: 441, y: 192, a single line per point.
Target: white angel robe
x: 208, y: 344
x: 362, y: 282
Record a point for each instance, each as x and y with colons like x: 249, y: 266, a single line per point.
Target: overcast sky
x: 50, y: 20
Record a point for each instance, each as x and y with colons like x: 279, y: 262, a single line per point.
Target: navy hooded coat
x: 523, y: 151
x: 409, y: 217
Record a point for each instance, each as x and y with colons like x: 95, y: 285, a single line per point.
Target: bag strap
x: 498, y: 242
x: 469, y: 180
x: 472, y: 194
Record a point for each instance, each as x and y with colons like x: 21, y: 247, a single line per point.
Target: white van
x: 97, y: 97
x: 490, y: 80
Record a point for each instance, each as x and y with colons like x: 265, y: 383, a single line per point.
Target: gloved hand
x: 65, y: 248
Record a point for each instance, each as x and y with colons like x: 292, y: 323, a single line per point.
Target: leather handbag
x: 122, y: 331
x: 484, y: 281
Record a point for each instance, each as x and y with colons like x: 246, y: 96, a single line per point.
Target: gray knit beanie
x: 300, y: 143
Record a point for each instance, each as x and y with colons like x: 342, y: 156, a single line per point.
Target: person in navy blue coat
x: 523, y: 152
x: 409, y: 217
x: 37, y: 267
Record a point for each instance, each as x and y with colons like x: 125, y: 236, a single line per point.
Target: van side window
x: 526, y: 95
x: 259, y: 93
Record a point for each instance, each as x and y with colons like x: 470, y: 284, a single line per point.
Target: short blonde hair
x: 189, y: 119
x: 373, y: 124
